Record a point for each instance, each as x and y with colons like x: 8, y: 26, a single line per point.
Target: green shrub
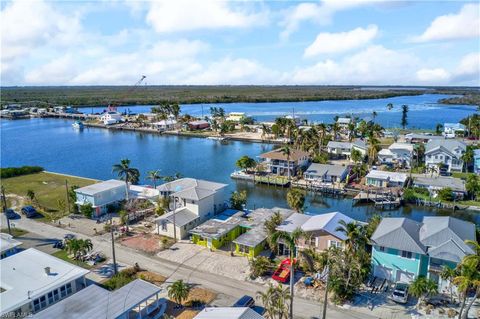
x: 445, y: 194
x: 121, y: 279
x: 260, y: 266
x: 19, y: 171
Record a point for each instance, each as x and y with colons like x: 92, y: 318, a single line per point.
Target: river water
x: 55, y: 145
x: 424, y: 110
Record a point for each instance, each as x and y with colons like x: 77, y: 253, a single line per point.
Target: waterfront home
x: 344, y: 149
x: 386, y: 179
x: 244, y: 232
x: 101, y: 195
x: 447, y: 153
x: 321, y: 231
x: 32, y: 280
x: 194, y: 202
x: 228, y: 312
x: 344, y: 122
x: 278, y: 163
x: 8, y: 245
x: 452, y: 130
x: 198, y: 125
x: 235, y: 116
x: 325, y: 173
x: 404, y: 249
x: 137, y: 299
x: 398, y: 153
x: 415, y: 138
x: 436, y: 183
x: 295, y: 118
x: 111, y: 117
x: 165, y: 125
x: 476, y: 161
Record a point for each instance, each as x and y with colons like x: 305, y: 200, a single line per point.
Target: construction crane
x: 112, y: 107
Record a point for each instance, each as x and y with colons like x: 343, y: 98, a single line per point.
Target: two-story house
x: 385, y: 179
x: 279, y: 163
x: 193, y: 202
x: 111, y: 117
x: 320, y: 230
x: 452, y: 130
x: 404, y: 249
x: 344, y: 149
x: 447, y: 153
x: 397, y: 153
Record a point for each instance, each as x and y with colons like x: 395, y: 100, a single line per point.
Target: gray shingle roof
x: 334, y: 144
x: 326, y: 169
x: 399, y: 233
x: 455, y: 184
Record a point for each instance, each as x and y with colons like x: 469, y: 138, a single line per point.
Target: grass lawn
x: 62, y: 254
x: 16, y: 232
x: 470, y: 202
x: 48, y: 187
x: 460, y: 174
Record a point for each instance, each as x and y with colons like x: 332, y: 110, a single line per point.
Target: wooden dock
x: 380, y: 200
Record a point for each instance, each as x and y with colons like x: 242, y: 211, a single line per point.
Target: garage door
x: 405, y: 276
x: 382, y: 272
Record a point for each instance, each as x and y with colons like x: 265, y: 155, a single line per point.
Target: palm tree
x: 322, y: 130
x: 372, y: 148
x: 468, y: 279
x: 296, y: 200
x: 126, y: 173
x: 355, y: 236
x: 404, y: 121
x: 178, y: 291
x: 287, y: 152
x: 422, y: 287
x: 270, y: 227
x: 275, y: 301
x: 449, y: 274
x: 154, y: 176
x: 389, y: 106
x: 374, y: 115
x: 290, y: 240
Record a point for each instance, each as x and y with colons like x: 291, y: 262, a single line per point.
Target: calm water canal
x: 56, y: 146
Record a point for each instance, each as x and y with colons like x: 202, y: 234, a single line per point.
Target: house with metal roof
x: 436, y: 183
x: 278, y: 163
x: 344, y: 149
x: 415, y: 138
x: 397, y: 153
x: 404, y: 249
x: 228, y: 312
x: 452, y: 130
x: 193, y: 202
x: 325, y: 173
x: 386, y: 179
x: 447, y: 153
x: 32, y: 280
x: 137, y: 299
x: 8, y: 245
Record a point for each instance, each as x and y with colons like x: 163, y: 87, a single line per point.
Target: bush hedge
x: 19, y: 171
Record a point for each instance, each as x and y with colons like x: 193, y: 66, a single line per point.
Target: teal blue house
x: 404, y: 249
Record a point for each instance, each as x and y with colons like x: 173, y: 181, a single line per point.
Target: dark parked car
x: 11, y: 214
x: 29, y: 211
x: 245, y: 301
x: 58, y: 244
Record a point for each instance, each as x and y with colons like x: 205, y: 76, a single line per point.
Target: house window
x: 63, y: 291
x: 39, y: 303
x: 69, y: 288
x: 407, y: 254
x: 313, y: 241
x: 334, y: 243
x: 50, y: 297
x: 381, y: 248
x: 56, y: 295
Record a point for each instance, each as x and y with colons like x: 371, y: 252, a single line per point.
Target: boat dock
x: 380, y: 200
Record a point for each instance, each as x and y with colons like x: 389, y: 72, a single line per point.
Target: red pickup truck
x: 282, y: 274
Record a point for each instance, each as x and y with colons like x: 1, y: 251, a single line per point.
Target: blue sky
x: 364, y: 42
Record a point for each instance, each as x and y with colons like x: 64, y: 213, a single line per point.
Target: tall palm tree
x: 449, y: 274
x: 126, y: 173
x: 287, y: 152
x: 355, y: 237
x: 422, y: 287
x: 275, y: 301
x: 290, y: 240
x: 154, y: 176
x: 178, y: 291
x: 322, y: 131
x: 374, y: 115
x: 468, y: 279
x: 373, y: 146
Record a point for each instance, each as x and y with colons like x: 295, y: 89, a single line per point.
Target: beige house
x: 321, y: 230
x: 278, y: 163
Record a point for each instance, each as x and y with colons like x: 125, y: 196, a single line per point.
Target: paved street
x: 227, y: 287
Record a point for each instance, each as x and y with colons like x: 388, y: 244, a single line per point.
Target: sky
x: 174, y: 42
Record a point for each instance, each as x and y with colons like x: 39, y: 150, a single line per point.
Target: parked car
x: 400, y: 292
x: 245, y: 301
x: 11, y: 214
x: 29, y: 211
x: 58, y: 244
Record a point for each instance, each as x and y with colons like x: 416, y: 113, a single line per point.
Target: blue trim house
x: 476, y: 161
x: 404, y: 249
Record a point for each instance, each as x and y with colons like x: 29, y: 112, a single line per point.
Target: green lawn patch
x: 16, y: 232
x: 63, y: 255
x: 460, y: 175
x: 49, y: 188
x: 469, y: 203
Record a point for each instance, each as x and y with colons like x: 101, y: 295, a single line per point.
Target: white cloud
x: 186, y: 15
x: 320, y: 13
x: 469, y: 69
x: 327, y: 43
x: 433, y: 76
x: 462, y: 25
x: 374, y: 65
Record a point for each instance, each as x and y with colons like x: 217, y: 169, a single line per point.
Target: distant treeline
x: 469, y: 99
x: 154, y: 95
x: 18, y: 171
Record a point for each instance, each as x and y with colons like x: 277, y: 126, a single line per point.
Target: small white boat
x: 78, y: 125
x: 217, y: 138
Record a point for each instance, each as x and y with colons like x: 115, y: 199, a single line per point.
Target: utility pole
x: 325, y: 298
x: 68, y: 199
x: 115, y: 270
x: 4, y: 199
x: 174, y: 225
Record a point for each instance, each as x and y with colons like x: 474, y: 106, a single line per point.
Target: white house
x: 32, y: 280
x: 8, y: 245
x: 279, y: 163
x: 446, y: 152
x: 325, y: 173
x: 345, y: 148
x: 397, y: 153
x: 235, y: 116
x: 344, y: 122
x: 165, y: 125
x: 436, y: 183
x: 111, y: 117
x: 451, y: 130
x: 386, y: 179
x: 194, y: 201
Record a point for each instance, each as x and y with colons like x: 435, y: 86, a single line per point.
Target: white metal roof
x: 100, y: 187
x: 384, y: 175
x: 401, y: 146
x: 228, y: 313
x: 7, y: 242
x: 24, y: 275
x: 293, y: 222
